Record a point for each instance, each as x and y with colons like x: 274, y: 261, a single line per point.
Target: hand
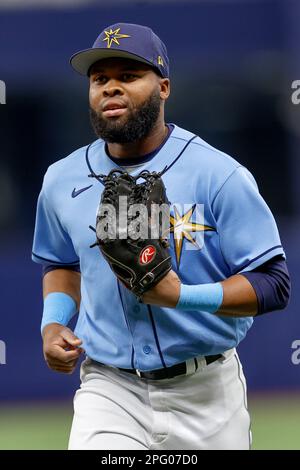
x: 61, y: 348
x: 166, y: 293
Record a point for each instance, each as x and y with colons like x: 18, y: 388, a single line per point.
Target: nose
x: 112, y: 89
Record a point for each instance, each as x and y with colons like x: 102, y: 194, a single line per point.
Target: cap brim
x: 83, y: 60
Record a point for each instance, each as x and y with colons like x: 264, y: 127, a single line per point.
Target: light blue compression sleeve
x: 206, y: 297
x: 58, y: 308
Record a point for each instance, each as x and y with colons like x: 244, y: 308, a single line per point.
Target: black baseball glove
x: 132, y: 227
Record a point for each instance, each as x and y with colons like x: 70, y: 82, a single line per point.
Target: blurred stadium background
x: 232, y: 63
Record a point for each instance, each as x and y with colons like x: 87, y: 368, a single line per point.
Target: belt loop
x: 190, y: 366
x: 201, y: 362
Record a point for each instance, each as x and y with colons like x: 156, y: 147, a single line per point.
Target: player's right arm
x: 60, y: 346
x: 53, y: 249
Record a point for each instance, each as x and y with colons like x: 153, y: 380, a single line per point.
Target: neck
x: 141, y: 147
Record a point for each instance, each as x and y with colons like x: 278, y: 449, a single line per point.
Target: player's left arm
x: 264, y: 289
x: 251, y: 289
x: 239, y: 297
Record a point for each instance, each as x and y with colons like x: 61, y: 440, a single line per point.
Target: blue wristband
x: 206, y: 297
x: 58, y: 308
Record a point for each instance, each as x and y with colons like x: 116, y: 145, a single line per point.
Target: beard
x: 138, y: 122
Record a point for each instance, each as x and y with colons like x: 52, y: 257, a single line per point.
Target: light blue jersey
x: 238, y: 233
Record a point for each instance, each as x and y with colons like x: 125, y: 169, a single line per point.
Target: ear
x: 164, y: 84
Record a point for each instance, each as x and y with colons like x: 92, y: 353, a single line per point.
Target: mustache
x: 138, y: 123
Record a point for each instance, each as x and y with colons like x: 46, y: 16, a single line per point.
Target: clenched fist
x: 61, y: 348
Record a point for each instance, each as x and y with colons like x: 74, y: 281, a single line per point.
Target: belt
x: 168, y: 372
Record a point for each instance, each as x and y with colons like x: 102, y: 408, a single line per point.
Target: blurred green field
x: 275, y: 424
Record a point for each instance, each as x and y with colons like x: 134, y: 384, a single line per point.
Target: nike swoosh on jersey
x: 79, y: 191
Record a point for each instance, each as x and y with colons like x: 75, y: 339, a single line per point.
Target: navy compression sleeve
x: 47, y: 267
x: 271, y: 282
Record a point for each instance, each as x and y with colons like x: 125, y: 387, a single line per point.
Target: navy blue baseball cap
x: 130, y: 41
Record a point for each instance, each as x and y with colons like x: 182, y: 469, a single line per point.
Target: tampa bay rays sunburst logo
x: 113, y: 36
x: 182, y: 227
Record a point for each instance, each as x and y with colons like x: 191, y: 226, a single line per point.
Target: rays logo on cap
x: 160, y: 61
x: 113, y: 36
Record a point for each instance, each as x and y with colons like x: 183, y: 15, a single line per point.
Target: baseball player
x: 161, y: 373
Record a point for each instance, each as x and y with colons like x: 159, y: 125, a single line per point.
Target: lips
x: 114, y: 108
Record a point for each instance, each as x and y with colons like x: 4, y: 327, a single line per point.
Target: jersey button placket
x: 147, y: 349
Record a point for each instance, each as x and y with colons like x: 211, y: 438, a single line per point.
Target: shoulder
x: 201, y: 152
x: 207, y: 164
x: 68, y: 167
x: 71, y: 163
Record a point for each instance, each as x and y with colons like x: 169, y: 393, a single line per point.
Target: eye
x: 100, y: 79
x: 128, y: 76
